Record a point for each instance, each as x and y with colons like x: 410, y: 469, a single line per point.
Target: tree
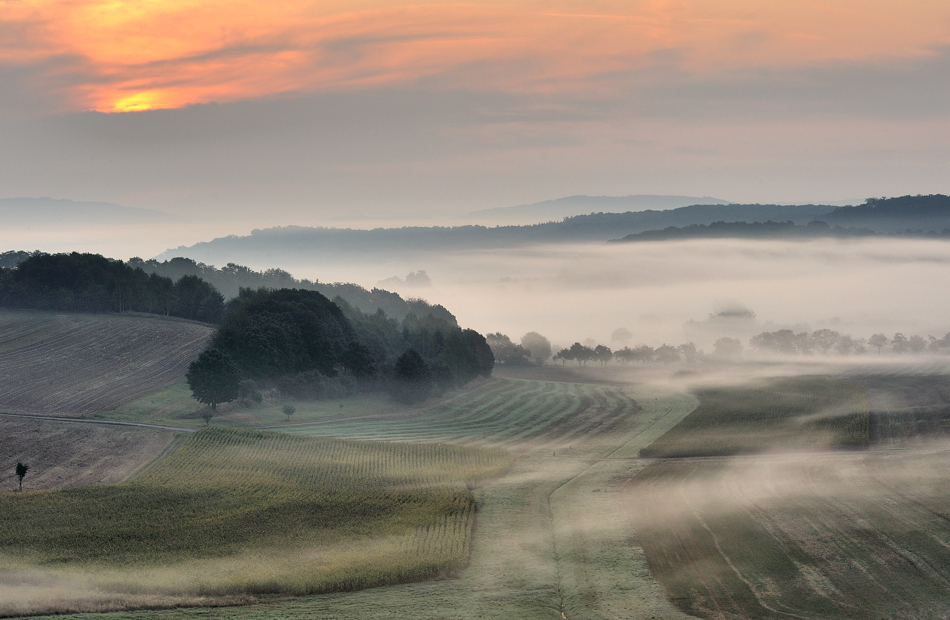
x: 877, y: 340
x: 413, y: 377
x: 689, y: 351
x: 916, y: 344
x: 358, y: 359
x: 21, y: 469
x: 582, y: 354
x: 248, y: 391
x: 288, y: 411
x: 899, y: 343
x: 214, y: 378
x: 505, y: 351
x: 537, y: 346
x: 666, y: 354
x: 825, y: 339
x: 602, y: 354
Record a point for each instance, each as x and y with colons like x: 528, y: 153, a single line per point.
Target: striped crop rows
x: 257, y: 512
x: 511, y: 414
x: 82, y: 364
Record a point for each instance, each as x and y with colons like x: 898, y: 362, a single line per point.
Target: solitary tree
x: 21, y: 469
x: 214, y: 378
x: 289, y: 410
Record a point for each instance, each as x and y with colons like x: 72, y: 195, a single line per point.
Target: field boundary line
x: 50, y: 418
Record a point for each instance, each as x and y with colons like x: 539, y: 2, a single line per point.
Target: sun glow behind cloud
x: 119, y: 55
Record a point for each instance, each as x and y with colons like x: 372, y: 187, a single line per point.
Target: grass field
x: 238, y: 511
x: 827, y: 536
x: 800, y: 413
x: 76, y: 364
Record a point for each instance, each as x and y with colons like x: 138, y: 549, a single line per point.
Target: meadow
x: 787, y: 414
x: 253, y: 512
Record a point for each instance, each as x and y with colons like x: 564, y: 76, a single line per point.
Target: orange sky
x: 146, y: 54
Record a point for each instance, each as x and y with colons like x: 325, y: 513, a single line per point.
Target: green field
x: 790, y: 414
x: 239, y: 511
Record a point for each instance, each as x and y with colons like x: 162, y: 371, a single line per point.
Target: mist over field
x: 572, y: 292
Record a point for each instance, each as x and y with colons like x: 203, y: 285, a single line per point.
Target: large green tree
x: 214, y: 378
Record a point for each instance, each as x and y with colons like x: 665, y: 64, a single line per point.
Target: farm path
x: 552, y: 540
x: 28, y: 416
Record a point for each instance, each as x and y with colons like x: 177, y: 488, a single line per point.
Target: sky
x: 302, y: 112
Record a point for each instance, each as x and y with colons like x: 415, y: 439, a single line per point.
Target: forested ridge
x: 92, y: 283
x: 294, y: 339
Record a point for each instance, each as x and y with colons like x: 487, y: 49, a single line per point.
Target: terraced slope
x: 511, y: 414
x: 73, y: 365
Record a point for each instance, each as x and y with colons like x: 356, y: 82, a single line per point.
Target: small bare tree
x: 21, y: 469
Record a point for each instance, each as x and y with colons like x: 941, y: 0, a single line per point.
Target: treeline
x: 755, y: 230
x: 92, y: 283
x: 306, y: 346
x: 783, y: 341
x: 231, y: 278
x: 788, y: 342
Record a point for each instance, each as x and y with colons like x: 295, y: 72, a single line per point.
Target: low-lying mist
x: 668, y: 292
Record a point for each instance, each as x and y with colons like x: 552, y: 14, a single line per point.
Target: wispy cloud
x: 125, y: 55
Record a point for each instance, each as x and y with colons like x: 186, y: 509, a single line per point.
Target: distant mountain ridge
x: 559, y: 208
x: 878, y: 216
x: 63, y: 213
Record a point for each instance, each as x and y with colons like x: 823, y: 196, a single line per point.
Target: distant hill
x: 746, y: 230
x: 291, y: 243
x: 558, y: 209
x: 903, y: 214
x: 56, y: 214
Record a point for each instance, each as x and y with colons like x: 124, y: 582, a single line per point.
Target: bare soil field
x: 75, y: 364
x: 807, y: 536
x: 68, y: 454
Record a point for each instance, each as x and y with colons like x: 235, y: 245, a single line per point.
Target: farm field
x: 790, y: 414
x: 76, y: 365
x: 70, y: 454
x: 239, y: 512
x: 907, y: 410
x: 523, y: 546
x: 861, y: 535
x: 175, y: 406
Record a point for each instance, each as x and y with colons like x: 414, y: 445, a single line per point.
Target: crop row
x: 93, y: 364
x: 504, y: 413
x: 269, y: 512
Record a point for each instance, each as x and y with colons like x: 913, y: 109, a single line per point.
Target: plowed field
x: 69, y: 454
x: 73, y: 364
x: 812, y: 536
